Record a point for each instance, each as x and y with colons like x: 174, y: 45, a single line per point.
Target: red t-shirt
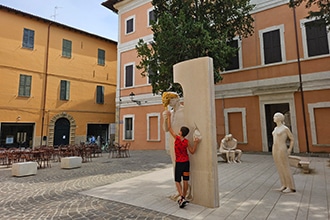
x: 180, y: 148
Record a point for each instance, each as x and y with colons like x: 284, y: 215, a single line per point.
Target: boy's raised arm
x: 169, y: 125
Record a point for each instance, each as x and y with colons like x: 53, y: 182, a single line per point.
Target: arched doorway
x: 62, y: 132
x: 51, y: 131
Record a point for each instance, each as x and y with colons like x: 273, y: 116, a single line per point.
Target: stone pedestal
x: 305, y: 166
x: 71, y: 162
x: 24, y: 168
x: 196, y: 79
x: 294, y: 161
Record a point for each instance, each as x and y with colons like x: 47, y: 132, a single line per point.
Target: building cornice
x: 261, y: 5
x: 288, y: 84
x: 34, y: 17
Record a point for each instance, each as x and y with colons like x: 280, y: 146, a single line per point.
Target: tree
x: 187, y: 29
x: 322, y: 11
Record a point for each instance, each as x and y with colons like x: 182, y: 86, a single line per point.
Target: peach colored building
x: 284, y: 67
x: 58, y: 83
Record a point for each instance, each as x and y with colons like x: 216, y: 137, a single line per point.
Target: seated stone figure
x: 228, y: 149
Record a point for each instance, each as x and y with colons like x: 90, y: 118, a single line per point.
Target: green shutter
x: 24, y: 85
x: 66, y: 48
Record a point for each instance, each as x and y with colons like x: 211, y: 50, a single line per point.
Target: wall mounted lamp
x: 131, y: 96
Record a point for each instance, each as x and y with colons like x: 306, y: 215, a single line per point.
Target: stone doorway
x: 72, y: 128
x: 270, y: 110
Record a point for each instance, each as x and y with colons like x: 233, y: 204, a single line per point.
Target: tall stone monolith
x: 196, y: 79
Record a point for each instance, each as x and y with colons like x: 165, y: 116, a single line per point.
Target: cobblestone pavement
x: 54, y: 192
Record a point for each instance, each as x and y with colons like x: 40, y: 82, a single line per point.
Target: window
x: 24, y: 85
x: 235, y: 119
x: 317, y: 38
x: 99, y: 94
x: 153, y: 127
x: 234, y: 60
x: 66, y: 48
x: 28, y: 38
x: 100, y: 57
x: 128, y: 127
x: 272, y: 45
x: 151, y: 17
x: 319, y: 117
x: 130, y: 25
x: 129, y: 75
x: 65, y: 90
x: 150, y: 73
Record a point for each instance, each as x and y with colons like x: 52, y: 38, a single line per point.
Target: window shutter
x: 99, y: 94
x: 24, y: 85
x: 317, y: 39
x: 66, y: 48
x: 129, y: 26
x: 233, y: 61
x: 272, y: 47
x: 151, y: 16
x: 28, y: 38
x: 101, y: 57
x: 129, y: 76
x: 65, y: 90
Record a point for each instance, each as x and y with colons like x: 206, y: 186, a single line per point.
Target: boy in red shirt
x: 182, y: 164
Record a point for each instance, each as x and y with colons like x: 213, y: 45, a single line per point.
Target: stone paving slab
x: 150, y: 191
x: 247, y: 191
x: 54, y: 193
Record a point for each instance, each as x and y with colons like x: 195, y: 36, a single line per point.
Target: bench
x: 299, y: 162
x: 224, y: 157
x: 24, y: 168
x: 71, y: 162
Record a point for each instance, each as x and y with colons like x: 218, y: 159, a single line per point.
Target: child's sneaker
x: 182, y: 202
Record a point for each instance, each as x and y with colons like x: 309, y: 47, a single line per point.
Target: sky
x: 86, y: 15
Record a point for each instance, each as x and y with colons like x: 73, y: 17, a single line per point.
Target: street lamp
x: 131, y: 96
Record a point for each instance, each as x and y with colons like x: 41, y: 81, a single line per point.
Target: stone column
x: 196, y: 79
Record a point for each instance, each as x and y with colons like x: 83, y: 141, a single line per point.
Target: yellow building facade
x: 58, y: 83
x: 283, y: 67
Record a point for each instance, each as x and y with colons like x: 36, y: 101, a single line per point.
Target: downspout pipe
x: 300, y: 79
x: 44, y: 92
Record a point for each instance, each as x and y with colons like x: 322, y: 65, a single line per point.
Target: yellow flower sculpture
x: 167, y: 96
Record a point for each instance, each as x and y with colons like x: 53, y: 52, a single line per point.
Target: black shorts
x: 181, y: 170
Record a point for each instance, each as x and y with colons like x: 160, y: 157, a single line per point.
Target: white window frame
x: 124, y: 120
x: 226, y: 113
x: 273, y: 28
x: 240, y: 56
x: 304, y: 38
x: 133, y: 75
x: 129, y: 18
x: 149, y: 115
x: 148, y: 79
x: 311, y: 108
x: 148, y: 15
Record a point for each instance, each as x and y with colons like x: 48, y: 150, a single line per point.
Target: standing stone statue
x: 196, y: 79
x: 281, y: 153
x: 172, y: 99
